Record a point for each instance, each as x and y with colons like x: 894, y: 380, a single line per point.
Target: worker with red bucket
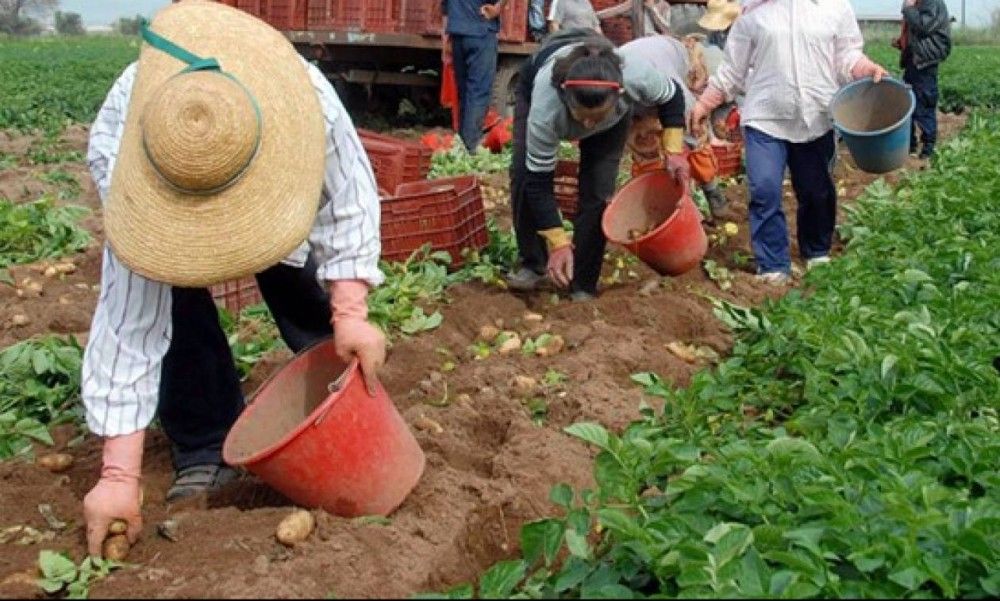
x: 790, y: 58
x: 579, y: 87
x: 219, y: 154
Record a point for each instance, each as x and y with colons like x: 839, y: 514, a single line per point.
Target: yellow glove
x: 672, y: 140
x: 556, y: 238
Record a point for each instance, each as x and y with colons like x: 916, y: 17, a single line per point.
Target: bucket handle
x: 332, y: 387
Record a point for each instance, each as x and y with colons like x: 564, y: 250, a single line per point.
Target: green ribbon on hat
x: 196, y: 63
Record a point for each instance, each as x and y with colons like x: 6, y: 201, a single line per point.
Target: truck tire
x: 505, y: 86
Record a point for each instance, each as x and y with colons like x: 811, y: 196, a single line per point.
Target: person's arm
x: 105, y: 132
x: 615, y: 11
x: 660, y: 22
x: 492, y: 11
x: 345, y: 237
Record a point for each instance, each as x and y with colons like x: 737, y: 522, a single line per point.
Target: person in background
x: 719, y: 19
x: 536, y: 20
x: 570, y: 14
x: 472, y: 27
x: 240, y: 196
x: 925, y: 42
x: 579, y: 87
x: 800, y: 53
x: 680, y: 61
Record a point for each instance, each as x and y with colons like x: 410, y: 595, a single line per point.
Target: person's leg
x: 536, y: 19
x: 459, y: 62
x: 766, y: 158
x: 200, y: 397
x: 301, y: 307
x: 600, y: 156
x: 911, y: 77
x: 928, y: 116
x: 530, y: 247
x: 480, y: 54
x: 816, y: 193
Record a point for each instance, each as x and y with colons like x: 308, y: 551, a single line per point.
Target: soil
x: 488, y: 472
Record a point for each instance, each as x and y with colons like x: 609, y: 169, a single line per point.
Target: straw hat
x: 220, y: 169
x: 720, y: 15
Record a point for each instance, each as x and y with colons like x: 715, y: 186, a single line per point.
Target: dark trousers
x: 475, y: 61
x: 925, y: 88
x: 810, y: 164
x: 200, y: 395
x: 600, y: 156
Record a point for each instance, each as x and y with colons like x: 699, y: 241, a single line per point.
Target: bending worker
x: 579, y: 87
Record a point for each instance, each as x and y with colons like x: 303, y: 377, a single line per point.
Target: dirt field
x: 488, y: 472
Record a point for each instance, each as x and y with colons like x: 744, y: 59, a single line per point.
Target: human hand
x: 909, y: 3
x: 560, y: 266
x: 356, y: 338
x: 490, y: 11
x: 696, y: 120
x: 117, y: 495
x: 678, y: 167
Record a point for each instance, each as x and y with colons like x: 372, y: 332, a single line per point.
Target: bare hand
x: 697, y: 119
x: 490, y: 11
x: 560, y: 267
x: 112, y: 499
x: 358, y: 338
x: 910, y: 3
x: 678, y: 167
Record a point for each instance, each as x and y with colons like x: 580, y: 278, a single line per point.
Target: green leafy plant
x: 39, y: 387
x: 69, y: 187
x: 61, y: 574
x: 39, y: 230
x: 251, y: 335
x: 459, y: 161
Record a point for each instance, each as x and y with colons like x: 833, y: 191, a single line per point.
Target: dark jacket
x: 929, y: 33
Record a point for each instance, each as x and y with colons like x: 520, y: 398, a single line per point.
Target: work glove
x: 560, y: 266
x: 117, y: 495
x: 353, y: 336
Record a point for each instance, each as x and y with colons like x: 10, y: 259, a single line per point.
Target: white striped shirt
x: 131, y: 329
x: 790, y: 57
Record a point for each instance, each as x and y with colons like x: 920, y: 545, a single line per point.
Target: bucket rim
x: 350, y: 375
x: 633, y: 245
x: 868, y: 134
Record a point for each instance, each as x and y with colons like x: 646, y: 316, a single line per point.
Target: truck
x: 364, y: 45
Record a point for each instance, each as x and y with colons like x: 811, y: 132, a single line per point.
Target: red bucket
x: 315, y: 435
x: 654, y: 217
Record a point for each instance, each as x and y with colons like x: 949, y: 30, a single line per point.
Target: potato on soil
x: 488, y: 333
x: 295, y: 528
x: 56, y: 462
x: 116, y: 547
x: 553, y: 347
x: 118, y: 527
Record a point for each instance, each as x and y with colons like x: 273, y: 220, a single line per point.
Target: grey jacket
x: 929, y: 31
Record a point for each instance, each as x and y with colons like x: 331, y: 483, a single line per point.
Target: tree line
x: 25, y: 18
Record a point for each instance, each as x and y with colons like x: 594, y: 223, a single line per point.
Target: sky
x: 104, y: 12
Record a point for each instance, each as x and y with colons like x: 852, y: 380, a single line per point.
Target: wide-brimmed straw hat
x: 720, y: 15
x: 220, y: 168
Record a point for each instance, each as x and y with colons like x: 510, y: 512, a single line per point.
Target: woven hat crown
x: 201, y: 131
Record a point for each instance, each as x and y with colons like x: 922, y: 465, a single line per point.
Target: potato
x: 118, y: 527
x: 533, y: 316
x: 427, y: 424
x: 511, y: 345
x: 295, y: 528
x: 524, y: 384
x: 50, y: 272
x: 554, y: 347
x: 488, y: 333
x: 65, y: 268
x: 731, y: 228
x: 116, y: 547
x: 20, y: 320
x: 56, y: 462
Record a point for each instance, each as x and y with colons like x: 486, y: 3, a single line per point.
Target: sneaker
x: 581, y: 297
x: 816, y: 261
x: 199, y: 479
x: 524, y: 280
x: 773, y: 278
x: 927, y: 152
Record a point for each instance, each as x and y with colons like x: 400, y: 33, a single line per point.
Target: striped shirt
x: 131, y: 329
x: 790, y: 57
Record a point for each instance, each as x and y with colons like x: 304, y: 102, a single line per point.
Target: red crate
x: 284, y: 14
x: 422, y: 17
x: 382, y: 16
x: 235, y: 295
x: 319, y: 14
x: 348, y: 14
x: 567, y: 187
x: 447, y: 213
x: 730, y: 158
x: 250, y: 6
x: 416, y: 157
x: 388, y: 163
x: 514, y: 21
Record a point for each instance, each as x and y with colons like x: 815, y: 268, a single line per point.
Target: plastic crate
x: 416, y: 157
x: 422, y: 17
x: 382, y: 16
x: 250, y: 6
x: 567, y: 188
x: 319, y: 14
x: 388, y: 163
x: 514, y: 21
x: 447, y: 213
x: 235, y: 295
x: 730, y: 158
x: 284, y: 14
x: 348, y: 14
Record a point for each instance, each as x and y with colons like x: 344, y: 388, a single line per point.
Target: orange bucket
x: 654, y: 217
x: 315, y: 435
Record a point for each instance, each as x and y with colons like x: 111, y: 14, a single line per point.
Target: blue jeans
x: 925, y: 88
x: 536, y: 16
x: 475, y: 60
x: 810, y: 164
